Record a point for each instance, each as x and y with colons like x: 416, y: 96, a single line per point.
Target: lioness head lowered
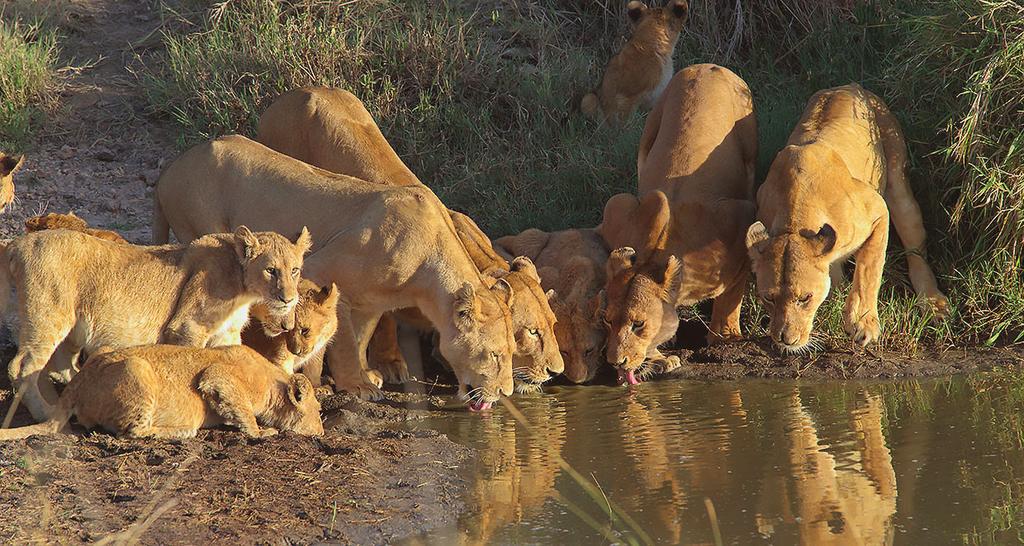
x: 480, y: 349
x: 792, y: 272
x: 271, y: 267
x: 536, y: 356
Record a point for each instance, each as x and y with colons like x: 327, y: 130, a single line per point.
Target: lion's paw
x: 863, y: 330
x: 393, y: 371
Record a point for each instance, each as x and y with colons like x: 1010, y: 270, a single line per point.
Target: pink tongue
x: 627, y: 377
x: 479, y: 406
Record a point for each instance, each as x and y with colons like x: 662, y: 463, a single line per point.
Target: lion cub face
x: 8, y: 165
x: 579, y: 328
x: 640, y: 307
x: 480, y: 351
x: 271, y: 266
x: 792, y: 280
x: 316, y: 319
x: 536, y: 354
x: 649, y: 22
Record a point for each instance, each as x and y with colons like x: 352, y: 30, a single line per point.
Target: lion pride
x: 683, y: 242
x: 830, y: 194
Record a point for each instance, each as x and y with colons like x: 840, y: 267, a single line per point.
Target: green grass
x: 481, y: 103
x: 28, y: 55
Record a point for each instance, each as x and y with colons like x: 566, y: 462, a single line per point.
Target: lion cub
x: 55, y: 220
x: 316, y: 321
x: 830, y: 194
x: 168, y: 391
x: 639, y: 73
x: 77, y: 292
x: 8, y: 166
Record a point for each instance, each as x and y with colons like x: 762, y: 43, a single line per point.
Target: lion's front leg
x: 725, y: 314
x: 384, y: 354
x: 346, y: 357
x: 860, y: 316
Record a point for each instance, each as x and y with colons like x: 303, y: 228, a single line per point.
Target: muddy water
x: 935, y: 462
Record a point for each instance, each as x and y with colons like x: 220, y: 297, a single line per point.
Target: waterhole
x: 746, y: 462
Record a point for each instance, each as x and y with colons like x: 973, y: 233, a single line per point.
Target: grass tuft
x: 28, y: 55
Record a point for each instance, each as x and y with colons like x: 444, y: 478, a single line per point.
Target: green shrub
x: 27, y: 58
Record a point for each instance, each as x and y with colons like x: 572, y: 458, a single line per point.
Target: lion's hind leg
x: 224, y: 397
x: 384, y: 354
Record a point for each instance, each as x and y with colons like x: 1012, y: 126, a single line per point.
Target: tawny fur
x: 331, y: 129
x: 302, y: 346
x: 571, y: 263
x: 638, y: 74
x: 166, y: 391
x: 684, y: 240
x: 55, y: 220
x: 829, y: 195
x: 77, y: 293
x: 9, y: 164
x: 384, y: 247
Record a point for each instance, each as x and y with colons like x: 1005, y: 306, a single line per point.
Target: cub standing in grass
x: 685, y: 234
x: 829, y: 195
x: 166, y: 391
x: 386, y: 248
x: 639, y: 73
x: 331, y: 129
x: 78, y: 292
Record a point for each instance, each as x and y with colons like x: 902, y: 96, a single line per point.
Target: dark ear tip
x: 680, y: 8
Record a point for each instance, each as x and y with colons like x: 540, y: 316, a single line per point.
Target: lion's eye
x: 804, y: 300
x: 588, y: 352
x: 564, y: 353
x: 305, y: 332
x: 272, y: 271
x: 767, y: 298
x: 637, y: 325
x: 295, y: 272
x: 534, y: 332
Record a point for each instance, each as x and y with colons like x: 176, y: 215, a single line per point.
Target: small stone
x: 105, y: 155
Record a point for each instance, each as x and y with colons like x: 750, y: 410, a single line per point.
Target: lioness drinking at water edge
x: 77, y: 293
x: 829, y: 195
x: 331, y: 129
x: 384, y: 247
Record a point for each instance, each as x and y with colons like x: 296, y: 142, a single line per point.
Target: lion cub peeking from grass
x: 639, y: 73
x: 167, y: 391
x: 830, y: 194
x: 77, y: 292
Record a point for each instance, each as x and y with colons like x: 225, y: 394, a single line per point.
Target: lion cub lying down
x: 77, y: 292
x: 639, y: 73
x: 168, y: 391
x: 829, y: 195
x: 316, y: 321
x: 55, y: 220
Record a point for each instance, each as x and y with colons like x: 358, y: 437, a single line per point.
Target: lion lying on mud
x: 55, y: 220
x: 302, y: 346
x: 167, y: 391
x: 77, y: 293
x: 830, y: 194
x: 8, y: 166
x: 384, y: 247
x: 331, y: 129
x: 683, y: 241
x: 638, y: 74
x: 571, y: 264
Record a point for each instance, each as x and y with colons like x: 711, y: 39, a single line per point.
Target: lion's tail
x: 57, y: 423
x: 161, y: 229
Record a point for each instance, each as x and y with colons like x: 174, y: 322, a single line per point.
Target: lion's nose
x: 285, y: 300
x: 789, y: 339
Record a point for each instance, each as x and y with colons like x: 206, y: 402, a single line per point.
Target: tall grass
x: 28, y: 56
x: 480, y: 99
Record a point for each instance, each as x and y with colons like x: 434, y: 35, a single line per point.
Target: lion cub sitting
x: 77, y: 292
x: 830, y: 194
x: 316, y: 321
x: 55, y: 220
x: 168, y: 391
x: 639, y: 73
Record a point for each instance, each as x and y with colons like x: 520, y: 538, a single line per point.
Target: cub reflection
x: 846, y: 501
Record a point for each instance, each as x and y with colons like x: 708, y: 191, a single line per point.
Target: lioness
x: 385, y: 247
x: 56, y: 220
x: 830, y: 194
x: 639, y: 73
x: 571, y: 263
x: 8, y: 166
x: 331, y: 129
x: 167, y: 391
x: 316, y: 322
x: 77, y: 292
x: 684, y: 240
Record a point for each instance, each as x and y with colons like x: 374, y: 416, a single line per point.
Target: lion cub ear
x: 9, y: 164
x: 247, y: 244
x: 620, y: 260
x: 635, y: 10
x: 825, y: 238
x: 525, y: 265
x: 680, y: 9
x: 304, y: 241
x: 673, y: 279
x: 299, y: 389
x: 504, y: 291
x: 756, y: 235
x: 327, y: 295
